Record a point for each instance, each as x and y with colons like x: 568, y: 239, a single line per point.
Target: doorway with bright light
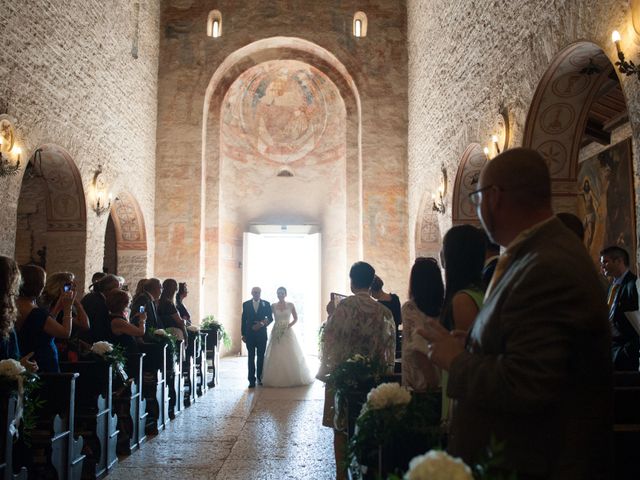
x: 287, y: 256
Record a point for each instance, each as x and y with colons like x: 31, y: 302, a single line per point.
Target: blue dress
x: 33, y: 338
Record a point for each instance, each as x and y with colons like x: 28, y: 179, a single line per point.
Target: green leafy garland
x: 400, y: 431
x: 32, y: 404
x: 210, y: 323
x: 357, y: 374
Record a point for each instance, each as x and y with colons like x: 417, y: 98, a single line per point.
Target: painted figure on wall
x: 606, y: 199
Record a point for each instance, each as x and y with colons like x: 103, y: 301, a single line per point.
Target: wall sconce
x: 100, y: 206
x: 438, y: 198
x: 624, y: 67
x: 8, y: 148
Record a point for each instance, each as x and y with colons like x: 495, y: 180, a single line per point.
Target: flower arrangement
x: 193, y: 329
x: 115, y: 356
x: 394, y: 425
x: 438, y: 465
x: 210, y: 323
x: 357, y: 373
x: 101, y: 348
x: 159, y: 335
x: 160, y: 332
x: 13, y: 376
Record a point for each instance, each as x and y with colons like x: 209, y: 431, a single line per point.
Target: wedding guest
x: 151, y: 290
x: 182, y: 310
x: 358, y: 325
x: 95, y: 305
x: 535, y: 373
x: 168, y: 312
x: 123, y: 332
x: 392, y: 302
x: 56, y: 284
x: 9, y: 288
x: 463, y: 252
x: 35, y: 327
x: 139, y: 288
x: 426, y: 295
x: 96, y: 277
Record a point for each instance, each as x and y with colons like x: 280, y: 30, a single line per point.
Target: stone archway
x: 578, y: 121
x: 51, y: 215
x: 223, y: 247
x: 471, y: 164
x: 130, y: 235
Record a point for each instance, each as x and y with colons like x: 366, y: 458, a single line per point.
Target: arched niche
x: 51, y: 215
x: 126, y: 240
x: 578, y: 121
x: 428, y: 240
x: 471, y: 164
x: 223, y: 246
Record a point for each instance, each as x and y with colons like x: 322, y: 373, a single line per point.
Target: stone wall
x: 470, y: 60
x: 195, y: 74
x: 82, y: 75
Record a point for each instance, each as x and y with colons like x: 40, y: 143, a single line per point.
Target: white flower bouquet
x: 438, y: 465
x: 10, y: 368
x: 160, y: 332
x: 101, y: 348
x: 193, y: 328
x: 387, y: 395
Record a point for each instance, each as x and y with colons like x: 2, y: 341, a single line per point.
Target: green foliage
x: 357, y: 374
x: 399, y: 432
x: 210, y: 323
x: 491, y: 464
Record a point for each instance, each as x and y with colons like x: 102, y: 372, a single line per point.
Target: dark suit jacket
x: 625, y: 341
x: 153, y: 320
x: 250, y: 317
x: 537, y: 371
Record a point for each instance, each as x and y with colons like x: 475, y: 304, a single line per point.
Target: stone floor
x: 233, y: 433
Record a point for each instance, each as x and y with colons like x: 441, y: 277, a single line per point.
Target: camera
x: 141, y: 308
x: 67, y: 287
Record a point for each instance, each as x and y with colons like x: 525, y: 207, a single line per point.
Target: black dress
x: 183, y: 312
x: 396, y: 311
x: 126, y: 341
x: 95, y: 305
x: 166, y: 310
x: 9, y: 346
x: 33, y: 338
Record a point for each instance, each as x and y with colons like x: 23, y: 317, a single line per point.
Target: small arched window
x: 359, y: 24
x: 214, y: 24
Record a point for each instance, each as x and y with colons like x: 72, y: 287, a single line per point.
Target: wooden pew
x: 94, y: 417
x: 130, y: 407
x: 189, y: 370
x: 201, y: 365
x: 213, y: 354
x: 154, y: 387
x: 54, y: 450
x: 8, y: 402
x: 626, y: 425
x: 175, y: 381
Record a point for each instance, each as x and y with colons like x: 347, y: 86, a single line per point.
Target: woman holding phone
x: 57, y: 284
x: 123, y: 332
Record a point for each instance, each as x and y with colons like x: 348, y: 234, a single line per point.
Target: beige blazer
x: 537, y: 371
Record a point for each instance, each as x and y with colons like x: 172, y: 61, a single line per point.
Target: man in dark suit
x: 622, y: 297
x: 256, y: 316
x: 535, y: 373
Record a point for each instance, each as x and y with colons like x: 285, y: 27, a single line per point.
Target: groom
x: 256, y: 315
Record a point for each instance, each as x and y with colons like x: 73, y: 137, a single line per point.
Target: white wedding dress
x: 284, y: 363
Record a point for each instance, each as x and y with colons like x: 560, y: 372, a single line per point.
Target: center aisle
x: 233, y: 433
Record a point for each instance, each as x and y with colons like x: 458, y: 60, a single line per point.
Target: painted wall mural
x: 606, y: 200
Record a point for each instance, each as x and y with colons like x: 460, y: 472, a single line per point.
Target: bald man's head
x: 521, y: 173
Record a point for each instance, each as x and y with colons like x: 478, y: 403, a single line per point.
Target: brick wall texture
x: 69, y: 79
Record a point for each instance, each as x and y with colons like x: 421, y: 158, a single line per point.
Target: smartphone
x: 336, y: 298
x: 67, y: 287
x: 141, y: 308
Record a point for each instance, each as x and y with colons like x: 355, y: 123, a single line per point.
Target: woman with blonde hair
x: 56, y: 284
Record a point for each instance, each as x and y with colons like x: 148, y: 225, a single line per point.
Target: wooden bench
x: 626, y: 424
x: 189, y: 369
x: 213, y: 354
x: 201, y: 365
x: 154, y: 387
x: 54, y: 452
x: 8, y: 402
x: 175, y: 381
x: 94, y: 416
x: 130, y: 407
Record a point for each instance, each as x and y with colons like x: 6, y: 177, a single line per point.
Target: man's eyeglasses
x: 476, y: 196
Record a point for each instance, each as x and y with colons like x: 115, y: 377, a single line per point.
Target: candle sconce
x: 8, y: 149
x: 625, y: 67
x: 438, y: 198
x: 102, y: 199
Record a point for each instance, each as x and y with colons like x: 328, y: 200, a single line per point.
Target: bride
x: 284, y: 363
